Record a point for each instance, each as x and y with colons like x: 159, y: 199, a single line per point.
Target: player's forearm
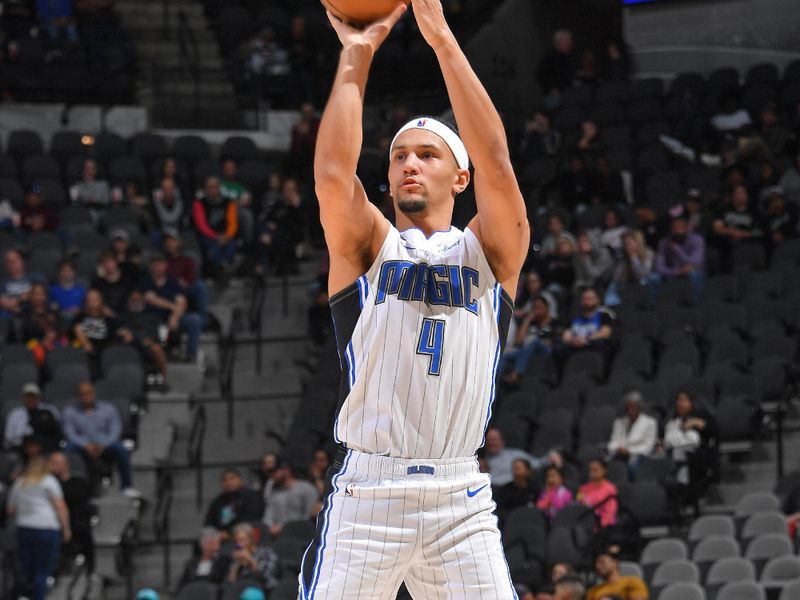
x: 340, y: 132
x: 479, y: 123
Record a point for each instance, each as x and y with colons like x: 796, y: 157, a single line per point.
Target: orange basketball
x: 361, y: 12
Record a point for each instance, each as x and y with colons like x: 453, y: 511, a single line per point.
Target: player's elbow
x: 497, y: 168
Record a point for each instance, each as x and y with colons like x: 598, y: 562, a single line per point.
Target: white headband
x: 443, y: 131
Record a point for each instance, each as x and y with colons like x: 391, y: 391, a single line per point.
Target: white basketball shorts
x: 385, y: 520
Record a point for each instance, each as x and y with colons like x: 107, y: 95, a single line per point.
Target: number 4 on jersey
x: 431, y: 340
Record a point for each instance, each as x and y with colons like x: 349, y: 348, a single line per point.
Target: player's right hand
x: 372, y: 35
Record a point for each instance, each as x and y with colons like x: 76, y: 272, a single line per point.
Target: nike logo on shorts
x: 472, y: 493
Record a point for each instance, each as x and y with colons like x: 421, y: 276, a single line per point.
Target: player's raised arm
x: 347, y: 216
x: 501, y: 224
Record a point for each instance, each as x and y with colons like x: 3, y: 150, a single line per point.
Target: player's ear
x: 462, y: 181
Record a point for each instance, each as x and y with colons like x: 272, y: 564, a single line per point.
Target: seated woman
x: 535, y: 335
x: 555, y: 495
x: 251, y: 562
x: 599, y: 493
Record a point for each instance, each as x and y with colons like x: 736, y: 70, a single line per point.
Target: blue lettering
x: 471, y: 279
x: 420, y: 470
x: 394, y: 273
x: 439, y: 289
x: 456, y: 286
x: 439, y: 285
x: 421, y: 283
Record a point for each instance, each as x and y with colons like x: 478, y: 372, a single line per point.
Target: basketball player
x: 421, y: 312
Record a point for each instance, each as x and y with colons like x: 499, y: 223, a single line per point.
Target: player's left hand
x: 432, y: 24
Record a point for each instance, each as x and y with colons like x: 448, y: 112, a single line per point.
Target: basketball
x: 361, y: 12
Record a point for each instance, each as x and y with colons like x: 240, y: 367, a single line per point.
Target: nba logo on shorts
x: 349, y: 490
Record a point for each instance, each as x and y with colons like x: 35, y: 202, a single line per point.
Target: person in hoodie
x: 592, y: 262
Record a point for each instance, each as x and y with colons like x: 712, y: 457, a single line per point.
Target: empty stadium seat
x: 741, y: 590
x: 682, y: 591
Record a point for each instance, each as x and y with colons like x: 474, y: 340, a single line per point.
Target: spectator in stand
x: 42, y: 519
x: 94, y: 329
x: 540, y: 139
x: 537, y: 334
x: 183, y: 269
x: 91, y: 192
x: 592, y: 328
x: 78, y: 496
x: 635, y: 267
x: 232, y: 189
x: 253, y: 563
x: 318, y: 469
x: 210, y: 564
x: 682, y: 254
x: 42, y: 328
x: 592, y: 262
x: 15, y: 289
x: 634, y: 435
x: 235, y: 504
x: 94, y: 430
x: 556, y: 229
x: 557, y: 68
x: 500, y: 459
x: 168, y: 205
x: 608, y: 186
x: 33, y: 418
x: 280, y: 230
x: 57, y: 19
x: 130, y: 195
x: 697, y: 214
x: 217, y: 222
x: 139, y: 327
x: 112, y: 283
x: 266, y: 469
x: 35, y: 215
x: 559, y: 269
x: 66, y: 295
x: 690, y: 438
x: 737, y: 221
x: 617, y: 65
x: 520, y: 491
x: 790, y: 182
x: 555, y: 494
x: 304, y: 141
x: 780, y: 219
x: 588, y: 144
x: 287, y: 498
x: 599, y: 493
x: 531, y: 290
x: 613, y: 230
x: 612, y: 583
x: 577, y: 185
x: 558, y: 572
x: 569, y: 587
x: 166, y: 299
x: 122, y: 249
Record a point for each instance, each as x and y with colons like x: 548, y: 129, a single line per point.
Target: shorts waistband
x: 404, y: 468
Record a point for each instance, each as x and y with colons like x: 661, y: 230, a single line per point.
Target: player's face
x: 422, y: 171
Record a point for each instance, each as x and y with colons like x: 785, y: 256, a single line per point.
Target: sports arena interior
x: 166, y: 348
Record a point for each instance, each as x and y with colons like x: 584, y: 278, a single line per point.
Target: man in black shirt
x: 236, y: 504
x: 139, y: 327
x: 112, y: 283
x: 77, y: 495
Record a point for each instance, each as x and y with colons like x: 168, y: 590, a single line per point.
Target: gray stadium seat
x: 630, y: 569
x: 765, y: 547
x: 671, y: 571
x: 763, y: 522
x: 715, y: 547
x: 730, y: 569
x: 790, y: 591
x: 665, y: 549
x: 741, y: 590
x: 780, y: 570
x: 682, y: 591
x: 754, y: 502
x: 560, y: 548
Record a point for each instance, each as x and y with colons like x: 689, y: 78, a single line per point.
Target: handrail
x: 190, y: 52
x: 73, y: 582
x: 161, y: 517
x: 256, y: 318
x: 227, y: 353
x: 195, y: 459
x: 127, y: 545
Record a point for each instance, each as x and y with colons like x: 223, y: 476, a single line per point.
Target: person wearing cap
x: 633, y: 435
x: 34, y: 417
x: 147, y: 594
x: 252, y: 593
x: 287, y: 498
x: 235, y: 504
x: 612, y: 582
x: 165, y: 299
x: 35, y: 215
x: 780, y: 218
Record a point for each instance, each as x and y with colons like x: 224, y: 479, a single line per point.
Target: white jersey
x: 419, y: 337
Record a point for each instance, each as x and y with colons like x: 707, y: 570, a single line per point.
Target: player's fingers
x: 393, y: 17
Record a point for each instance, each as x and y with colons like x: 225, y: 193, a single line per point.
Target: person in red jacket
x: 216, y: 221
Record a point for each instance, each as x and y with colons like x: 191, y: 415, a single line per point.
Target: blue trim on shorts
x: 321, y: 549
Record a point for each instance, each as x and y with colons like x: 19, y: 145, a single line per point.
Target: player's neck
x: 427, y: 223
